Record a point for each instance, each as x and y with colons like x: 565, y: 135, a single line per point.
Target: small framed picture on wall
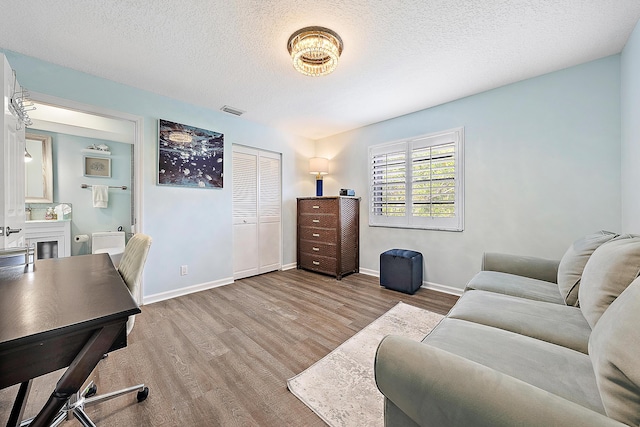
x: 97, y: 166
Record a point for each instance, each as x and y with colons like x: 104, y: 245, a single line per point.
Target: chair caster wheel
x: 91, y: 391
x: 142, y: 395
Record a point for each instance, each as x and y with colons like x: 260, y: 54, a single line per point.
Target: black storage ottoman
x: 401, y: 270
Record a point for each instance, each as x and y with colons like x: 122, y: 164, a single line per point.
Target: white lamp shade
x: 318, y: 166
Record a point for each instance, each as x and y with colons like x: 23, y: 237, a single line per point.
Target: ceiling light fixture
x: 27, y: 155
x: 315, y: 50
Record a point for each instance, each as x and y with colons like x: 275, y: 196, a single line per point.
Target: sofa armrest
x: 533, y: 267
x: 436, y: 388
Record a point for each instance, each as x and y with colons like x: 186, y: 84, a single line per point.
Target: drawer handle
x: 316, y: 207
x: 316, y: 263
x: 316, y: 220
x: 316, y: 235
x: 316, y: 249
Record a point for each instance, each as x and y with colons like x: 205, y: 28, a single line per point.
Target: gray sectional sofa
x: 531, y: 342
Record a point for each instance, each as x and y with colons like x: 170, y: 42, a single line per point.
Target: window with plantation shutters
x: 418, y: 182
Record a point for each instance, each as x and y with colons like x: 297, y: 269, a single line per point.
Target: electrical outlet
x: 184, y: 270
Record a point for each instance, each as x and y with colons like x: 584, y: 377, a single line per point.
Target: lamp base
x: 319, y: 187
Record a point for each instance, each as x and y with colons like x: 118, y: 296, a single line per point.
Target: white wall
x: 542, y: 169
x: 189, y: 226
x: 630, y: 101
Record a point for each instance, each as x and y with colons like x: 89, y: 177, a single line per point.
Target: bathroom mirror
x: 39, y: 171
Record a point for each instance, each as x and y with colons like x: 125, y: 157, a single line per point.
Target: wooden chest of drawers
x: 328, y: 235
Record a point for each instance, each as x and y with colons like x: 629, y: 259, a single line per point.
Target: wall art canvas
x: 189, y: 156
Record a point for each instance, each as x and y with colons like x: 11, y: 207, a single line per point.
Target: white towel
x: 62, y: 210
x: 100, y: 196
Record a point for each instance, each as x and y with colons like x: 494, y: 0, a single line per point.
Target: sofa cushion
x: 554, y: 323
x: 517, y: 286
x: 614, y: 347
x: 611, y: 268
x: 573, y: 262
x: 564, y: 372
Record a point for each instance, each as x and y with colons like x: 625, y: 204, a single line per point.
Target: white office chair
x: 130, y: 268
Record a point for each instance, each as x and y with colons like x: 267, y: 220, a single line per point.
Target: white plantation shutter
x: 388, y: 166
x: 433, y: 180
x: 418, y: 182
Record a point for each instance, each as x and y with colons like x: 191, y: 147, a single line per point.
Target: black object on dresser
x: 328, y: 235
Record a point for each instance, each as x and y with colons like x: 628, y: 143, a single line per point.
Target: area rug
x: 340, y: 387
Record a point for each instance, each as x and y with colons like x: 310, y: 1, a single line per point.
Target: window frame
x: 408, y: 145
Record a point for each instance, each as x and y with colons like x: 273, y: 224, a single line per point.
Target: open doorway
x: 108, y: 138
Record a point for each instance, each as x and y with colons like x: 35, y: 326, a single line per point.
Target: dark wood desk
x: 62, y: 312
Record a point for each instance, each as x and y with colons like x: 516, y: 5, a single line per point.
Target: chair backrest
x: 132, y: 264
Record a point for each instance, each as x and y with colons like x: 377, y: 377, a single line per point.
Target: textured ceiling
x: 399, y: 56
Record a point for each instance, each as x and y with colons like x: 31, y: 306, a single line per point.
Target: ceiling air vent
x: 232, y: 110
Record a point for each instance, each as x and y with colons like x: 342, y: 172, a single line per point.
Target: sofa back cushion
x: 573, y: 262
x: 614, y: 346
x: 611, y: 268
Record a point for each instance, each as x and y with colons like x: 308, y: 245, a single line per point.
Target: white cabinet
x: 51, y: 239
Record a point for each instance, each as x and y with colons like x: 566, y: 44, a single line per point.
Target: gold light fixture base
x: 315, y: 50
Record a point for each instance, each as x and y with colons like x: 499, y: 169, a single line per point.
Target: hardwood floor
x: 221, y: 357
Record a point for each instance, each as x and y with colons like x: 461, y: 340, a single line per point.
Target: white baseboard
x: 368, y: 272
x: 442, y: 288
x: 150, y: 299
x: 427, y: 285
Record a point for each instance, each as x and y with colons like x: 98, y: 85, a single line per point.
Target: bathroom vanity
x: 50, y: 238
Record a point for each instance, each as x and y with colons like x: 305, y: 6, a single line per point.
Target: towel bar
x: 122, y: 187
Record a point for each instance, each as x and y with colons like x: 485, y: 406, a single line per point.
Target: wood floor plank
x: 221, y: 357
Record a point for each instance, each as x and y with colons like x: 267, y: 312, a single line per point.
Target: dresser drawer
x: 318, y: 263
x: 317, y: 248
x: 318, y: 206
x: 318, y: 220
x: 325, y: 235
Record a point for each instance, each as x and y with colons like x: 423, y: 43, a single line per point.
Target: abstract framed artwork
x: 97, y: 167
x: 189, y: 156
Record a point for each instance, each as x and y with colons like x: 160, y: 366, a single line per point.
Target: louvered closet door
x: 257, y: 230
x: 245, y: 214
x: 270, y: 205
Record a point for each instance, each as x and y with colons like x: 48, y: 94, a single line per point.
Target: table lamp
x: 318, y: 166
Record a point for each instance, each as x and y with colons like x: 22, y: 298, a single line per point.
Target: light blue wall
x: 68, y: 175
x: 542, y: 169
x: 189, y: 226
x: 630, y: 101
